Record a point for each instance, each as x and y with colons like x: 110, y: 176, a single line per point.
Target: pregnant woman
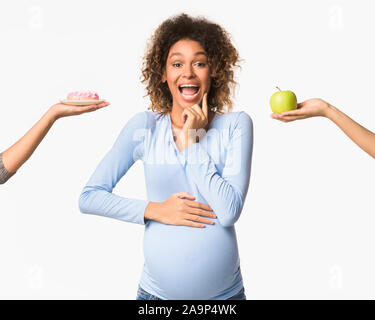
x: 197, y: 159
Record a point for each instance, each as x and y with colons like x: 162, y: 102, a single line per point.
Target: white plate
x: 81, y: 102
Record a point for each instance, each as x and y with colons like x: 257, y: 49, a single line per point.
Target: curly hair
x: 222, y: 57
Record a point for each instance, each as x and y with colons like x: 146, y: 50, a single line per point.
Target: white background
x: 307, y: 227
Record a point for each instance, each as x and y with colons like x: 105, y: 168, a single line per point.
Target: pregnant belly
x: 191, y: 263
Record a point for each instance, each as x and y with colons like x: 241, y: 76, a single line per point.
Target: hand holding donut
x: 60, y: 110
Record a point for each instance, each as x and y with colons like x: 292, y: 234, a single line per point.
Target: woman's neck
x: 176, y: 118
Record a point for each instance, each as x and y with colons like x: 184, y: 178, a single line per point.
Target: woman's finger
x: 187, y: 112
x: 192, y: 224
x: 292, y: 118
x: 196, y: 204
x: 85, y: 109
x: 301, y: 104
x: 198, y: 111
x: 103, y: 104
x: 183, y: 195
x: 201, y: 110
x: 297, y: 112
x: 185, y: 115
x: 200, y: 212
x: 195, y: 110
x: 98, y: 106
x: 196, y: 218
x: 204, y: 106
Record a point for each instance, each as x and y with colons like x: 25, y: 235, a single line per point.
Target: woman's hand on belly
x: 179, y: 209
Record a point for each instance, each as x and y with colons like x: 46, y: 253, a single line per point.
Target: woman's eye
x: 199, y: 64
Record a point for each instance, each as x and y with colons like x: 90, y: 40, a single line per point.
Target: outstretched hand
x: 310, y: 108
x: 60, y: 110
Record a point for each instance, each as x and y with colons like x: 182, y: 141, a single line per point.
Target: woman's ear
x: 164, y: 77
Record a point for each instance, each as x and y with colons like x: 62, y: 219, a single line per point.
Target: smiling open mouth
x: 189, y: 91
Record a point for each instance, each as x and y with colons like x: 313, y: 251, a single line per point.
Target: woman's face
x: 187, y: 73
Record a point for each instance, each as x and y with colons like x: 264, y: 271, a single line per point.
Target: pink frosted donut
x: 83, y: 95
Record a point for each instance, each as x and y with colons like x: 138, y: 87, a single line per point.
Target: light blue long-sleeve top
x: 181, y: 262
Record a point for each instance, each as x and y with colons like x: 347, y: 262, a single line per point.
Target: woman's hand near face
x: 310, y: 108
x: 179, y: 209
x: 194, y: 118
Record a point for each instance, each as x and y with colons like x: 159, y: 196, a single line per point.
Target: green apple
x: 283, y: 101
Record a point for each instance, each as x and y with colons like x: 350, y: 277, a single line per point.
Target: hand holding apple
x: 310, y: 108
x: 282, y: 101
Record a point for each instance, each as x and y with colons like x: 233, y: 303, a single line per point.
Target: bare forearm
x: 363, y: 137
x: 15, y: 156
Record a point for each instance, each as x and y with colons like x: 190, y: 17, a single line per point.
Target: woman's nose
x: 188, y: 72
